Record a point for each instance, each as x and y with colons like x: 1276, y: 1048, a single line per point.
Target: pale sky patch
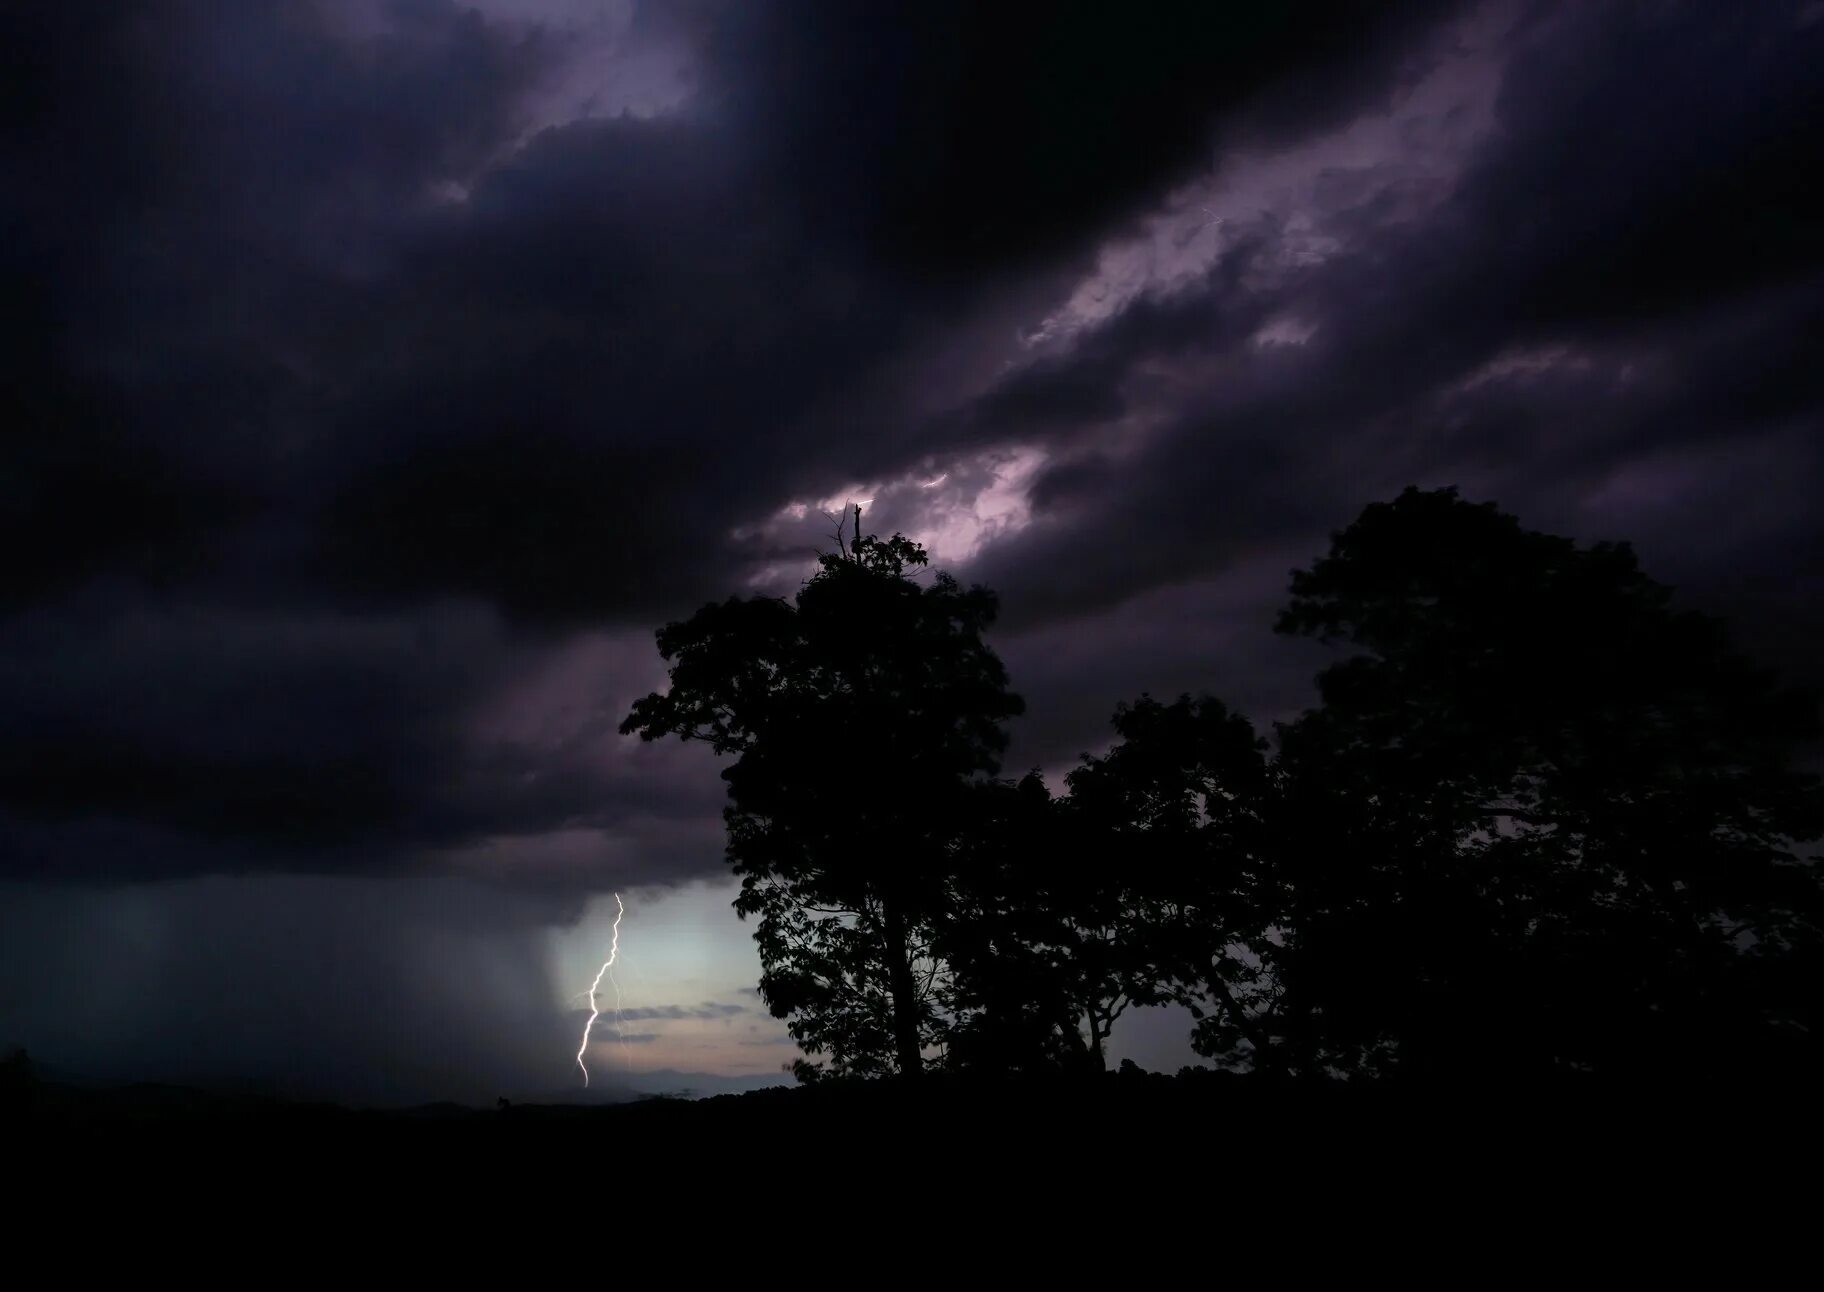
x: 1413, y: 152
x: 1284, y: 330
x: 596, y: 64
x: 679, y: 946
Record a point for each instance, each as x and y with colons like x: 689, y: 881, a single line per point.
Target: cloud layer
x: 378, y: 379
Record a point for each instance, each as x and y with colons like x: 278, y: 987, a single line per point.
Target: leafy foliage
x: 1539, y: 821
x: 1179, y: 807
x: 860, y: 716
x: 1541, y: 818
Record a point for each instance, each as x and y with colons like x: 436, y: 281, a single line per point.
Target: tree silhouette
x: 1149, y: 882
x: 1178, y: 813
x: 1014, y: 940
x: 862, y: 716
x: 1541, y: 820
x: 1057, y: 930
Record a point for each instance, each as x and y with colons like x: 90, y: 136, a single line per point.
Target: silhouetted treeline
x: 1539, y: 822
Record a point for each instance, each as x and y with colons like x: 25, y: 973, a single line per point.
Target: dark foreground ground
x: 1188, y: 1120
x: 1133, y: 1179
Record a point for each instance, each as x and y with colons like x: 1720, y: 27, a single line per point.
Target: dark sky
x: 379, y: 373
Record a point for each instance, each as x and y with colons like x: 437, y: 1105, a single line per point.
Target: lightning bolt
x: 614, y: 949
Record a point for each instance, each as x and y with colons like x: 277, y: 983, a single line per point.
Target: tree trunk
x: 1095, y: 1059
x: 904, y: 992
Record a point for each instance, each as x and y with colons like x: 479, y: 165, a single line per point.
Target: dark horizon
x: 382, y: 373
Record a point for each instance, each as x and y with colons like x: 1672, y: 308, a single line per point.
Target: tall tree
x: 1178, y: 811
x: 1540, y: 818
x: 861, y: 717
x: 1016, y: 942
x: 1147, y: 883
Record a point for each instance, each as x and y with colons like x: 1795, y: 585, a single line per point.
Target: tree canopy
x: 1540, y: 817
x: 860, y: 715
x: 1539, y: 820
